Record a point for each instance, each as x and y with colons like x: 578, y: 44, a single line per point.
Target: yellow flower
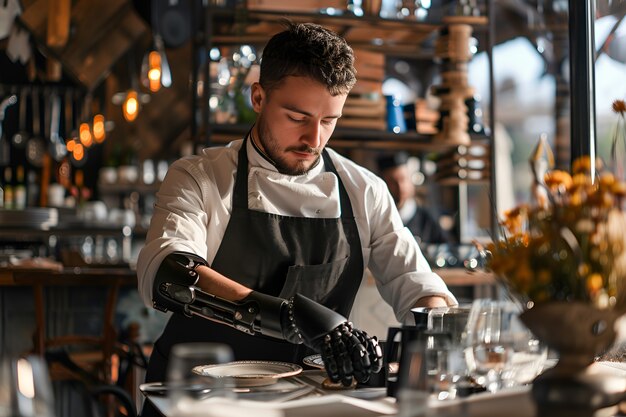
x: 619, y: 106
x: 594, y: 283
x: 557, y: 180
x: 582, y: 165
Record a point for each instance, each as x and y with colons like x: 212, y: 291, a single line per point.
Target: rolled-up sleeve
x: 400, y: 270
x: 179, y: 223
x: 403, y: 275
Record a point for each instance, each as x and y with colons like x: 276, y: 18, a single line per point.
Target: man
x: 279, y: 225
x: 394, y: 169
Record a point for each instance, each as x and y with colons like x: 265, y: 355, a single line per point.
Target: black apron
x: 276, y: 255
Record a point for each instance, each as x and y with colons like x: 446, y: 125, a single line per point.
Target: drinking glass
x: 451, y: 368
x: 431, y: 367
x: 25, y: 388
x: 187, y: 386
x: 528, y: 359
x: 489, y: 341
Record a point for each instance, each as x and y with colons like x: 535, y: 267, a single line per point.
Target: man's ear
x: 257, y: 97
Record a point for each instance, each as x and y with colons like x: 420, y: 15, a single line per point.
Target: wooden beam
x: 59, y: 12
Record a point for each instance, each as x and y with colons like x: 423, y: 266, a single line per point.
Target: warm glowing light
x: 154, y: 85
x: 25, y: 380
x: 78, y: 152
x: 154, y: 71
x: 85, y: 135
x: 131, y: 106
x: 99, y: 132
x: 71, y: 144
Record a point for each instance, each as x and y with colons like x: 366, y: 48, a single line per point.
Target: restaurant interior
x: 491, y: 103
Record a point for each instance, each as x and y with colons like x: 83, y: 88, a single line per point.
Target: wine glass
x: 25, y: 388
x: 489, y: 341
x: 187, y: 385
x: 528, y: 359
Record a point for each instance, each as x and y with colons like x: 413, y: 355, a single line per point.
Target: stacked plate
x: 40, y: 218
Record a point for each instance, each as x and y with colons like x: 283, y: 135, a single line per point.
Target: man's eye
x: 329, y: 122
x: 293, y: 119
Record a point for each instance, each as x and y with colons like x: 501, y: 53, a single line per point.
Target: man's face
x: 295, y: 121
x: 401, y: 187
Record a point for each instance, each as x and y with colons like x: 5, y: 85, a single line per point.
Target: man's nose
x: 312, y: 135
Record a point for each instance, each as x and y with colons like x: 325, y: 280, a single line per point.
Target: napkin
x: 326, y: 406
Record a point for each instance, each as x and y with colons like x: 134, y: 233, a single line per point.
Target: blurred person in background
x: 394, y: 169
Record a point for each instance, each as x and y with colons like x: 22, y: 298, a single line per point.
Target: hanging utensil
x: 5, y: 150
x: 35, y: 147
x: 70, y: 131
x: 21, y: 136
x: 57, y: 147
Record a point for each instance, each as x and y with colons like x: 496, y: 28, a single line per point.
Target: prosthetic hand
x: 347, y: 352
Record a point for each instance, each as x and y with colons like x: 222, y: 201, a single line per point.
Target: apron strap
x: 240, y: 191
x: 346, y: 206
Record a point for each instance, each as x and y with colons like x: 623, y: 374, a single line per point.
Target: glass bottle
x: 32, y: 189
x: 8, y: 188
x: 19, y: 190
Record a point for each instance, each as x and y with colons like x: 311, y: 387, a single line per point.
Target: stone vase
x: 579, y: 332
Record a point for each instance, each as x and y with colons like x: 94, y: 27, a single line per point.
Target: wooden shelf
x: 461, y: 277
x: 345, y: 138
x: 392, y: 36
x: 124, y: 188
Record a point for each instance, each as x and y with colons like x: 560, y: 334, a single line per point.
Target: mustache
x: 305, y: 149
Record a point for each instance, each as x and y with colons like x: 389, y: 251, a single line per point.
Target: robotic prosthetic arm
x: 347, y: 352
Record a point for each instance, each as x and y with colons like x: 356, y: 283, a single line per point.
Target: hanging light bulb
x: 71, y: 144
x: 130, y: 107
x: 78, y: 152
x: 99, y: 130
x: 132, y: 99
x: 85, y: 135
x: 131, y: 102
x: 154, y: 71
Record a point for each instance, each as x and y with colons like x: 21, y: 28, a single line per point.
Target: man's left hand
x: 431, y: 301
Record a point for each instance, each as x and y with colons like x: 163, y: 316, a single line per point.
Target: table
x: 370, y: 402
x: 306, y: 398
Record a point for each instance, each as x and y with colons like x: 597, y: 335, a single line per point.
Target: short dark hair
x: 307, y: 49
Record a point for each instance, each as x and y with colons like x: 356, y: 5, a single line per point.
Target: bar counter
x: 42, y: 274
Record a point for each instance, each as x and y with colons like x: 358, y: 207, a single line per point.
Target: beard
x: 271, y: 146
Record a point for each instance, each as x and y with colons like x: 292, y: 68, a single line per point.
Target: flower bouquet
x: 564, y: 257
x: 571, y: 245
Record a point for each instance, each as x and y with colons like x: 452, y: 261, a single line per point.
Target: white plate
x: 314, y: 361
x: 161, y: 388
x: 250, y: 373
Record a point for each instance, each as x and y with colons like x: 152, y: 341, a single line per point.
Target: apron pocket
x: 313, y: 281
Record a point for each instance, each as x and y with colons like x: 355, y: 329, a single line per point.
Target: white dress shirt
x: 193, y: 207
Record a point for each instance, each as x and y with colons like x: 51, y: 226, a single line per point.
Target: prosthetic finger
x: 349, y: 353
x: 373, y: 350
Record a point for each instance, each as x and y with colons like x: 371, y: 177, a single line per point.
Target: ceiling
x: 106, y: 33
